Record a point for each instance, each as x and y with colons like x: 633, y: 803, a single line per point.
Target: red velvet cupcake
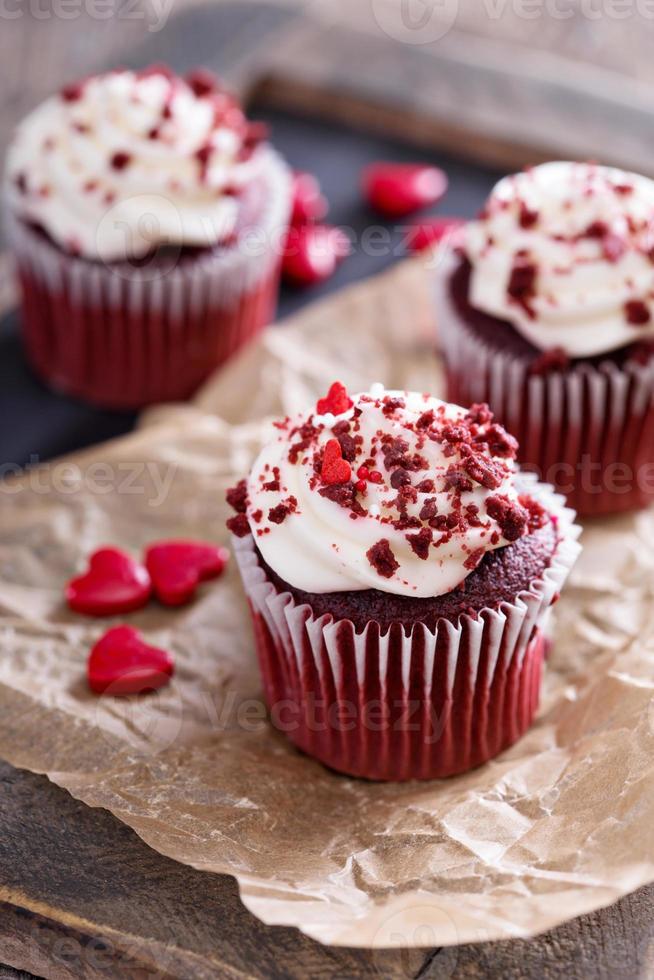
x: 400, y: 573
x: 547, y: 315
x: 146, y: 216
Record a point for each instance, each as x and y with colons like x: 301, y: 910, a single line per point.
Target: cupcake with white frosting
x: 400, y: 572
x: 146, y: 215
x: 546, y: 312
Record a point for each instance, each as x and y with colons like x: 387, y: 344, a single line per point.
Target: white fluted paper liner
x: 407, y: 704
x: 589, y: 430
x: 125, y: 335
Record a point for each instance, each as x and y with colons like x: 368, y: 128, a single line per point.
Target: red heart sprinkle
x: 122, y: 663
x: 397, y: 189
x: 312, y: 253
x: 177, y: 568
x: 335, y: 469
x: 114, y: 583
x: 309, y: 204
x: 336, y: 402
x: 431, y: 231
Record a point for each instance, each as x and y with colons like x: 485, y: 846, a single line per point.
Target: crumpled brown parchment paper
x: 559, y: 825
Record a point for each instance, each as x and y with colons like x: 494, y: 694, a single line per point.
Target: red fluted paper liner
x: 588, y: 430
x: 410, y: 703
x: 123, y: 335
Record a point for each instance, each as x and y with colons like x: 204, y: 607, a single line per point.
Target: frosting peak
x: 565, y: 252
x: 396, y: 491
x: 121, y: 163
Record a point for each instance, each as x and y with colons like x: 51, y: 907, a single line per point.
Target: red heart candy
x: 397, y: 189
x: 335, y: 469
x: 431, y: 231
x: 312, y: 253
x: 177, y: 568
x: 114, y: 583
x: 122, y: 663
x: 336, y: 402
x: 308, y: 201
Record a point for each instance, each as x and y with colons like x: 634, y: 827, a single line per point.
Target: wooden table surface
x: 80, y: 894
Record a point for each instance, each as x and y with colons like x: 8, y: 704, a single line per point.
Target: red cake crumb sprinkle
x: 521, y: 287
x: 512, y: 518
x: 483, y: 470
x: 537, y: 515
x: 550, y: 361
x: 528, y: 216
x: 420, y: 542
x: 72, y: 92
x: 473, y: 559
x: 479, y: 414
x: 203, y: 155
x: 278, y: 514
x: 499, y: 442
x: 613, y: 246
x: 120, y: 160
x: 637, y: 312
x: 201, y: 82
x: 239, y: 525
x: 237, y: 497
x: 382, y: 558
x: 337, y: 400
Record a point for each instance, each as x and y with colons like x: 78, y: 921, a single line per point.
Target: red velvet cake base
x: 126, y: 336
x: 405, y: 702
x: 587, y: 428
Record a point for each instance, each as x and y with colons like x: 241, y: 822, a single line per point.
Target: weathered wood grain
x: 79, y: 873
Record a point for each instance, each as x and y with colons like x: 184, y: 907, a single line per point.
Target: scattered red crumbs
x: 278, y: 514
x: 420, y: 542
x: 550, y: 361
x: 72, y: 92
x: 238, y: 525
x: 528, y: 216
x: 382, y: 559
x: 537, y: 516
x: 522, y: 282
x: 485, y: 471
x: 120, y: 160
x: 512, y: 517
x: 202, y: 82
x: 336, y: 402
x: 637, y: 312
x: 237, y: 497
x: 473, y: 559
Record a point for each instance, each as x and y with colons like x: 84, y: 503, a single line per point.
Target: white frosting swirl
x: 584, y: 237
x: 319, y: 544
x: 129, y: 161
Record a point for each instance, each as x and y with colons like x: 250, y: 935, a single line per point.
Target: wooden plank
x: 79, y: 873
